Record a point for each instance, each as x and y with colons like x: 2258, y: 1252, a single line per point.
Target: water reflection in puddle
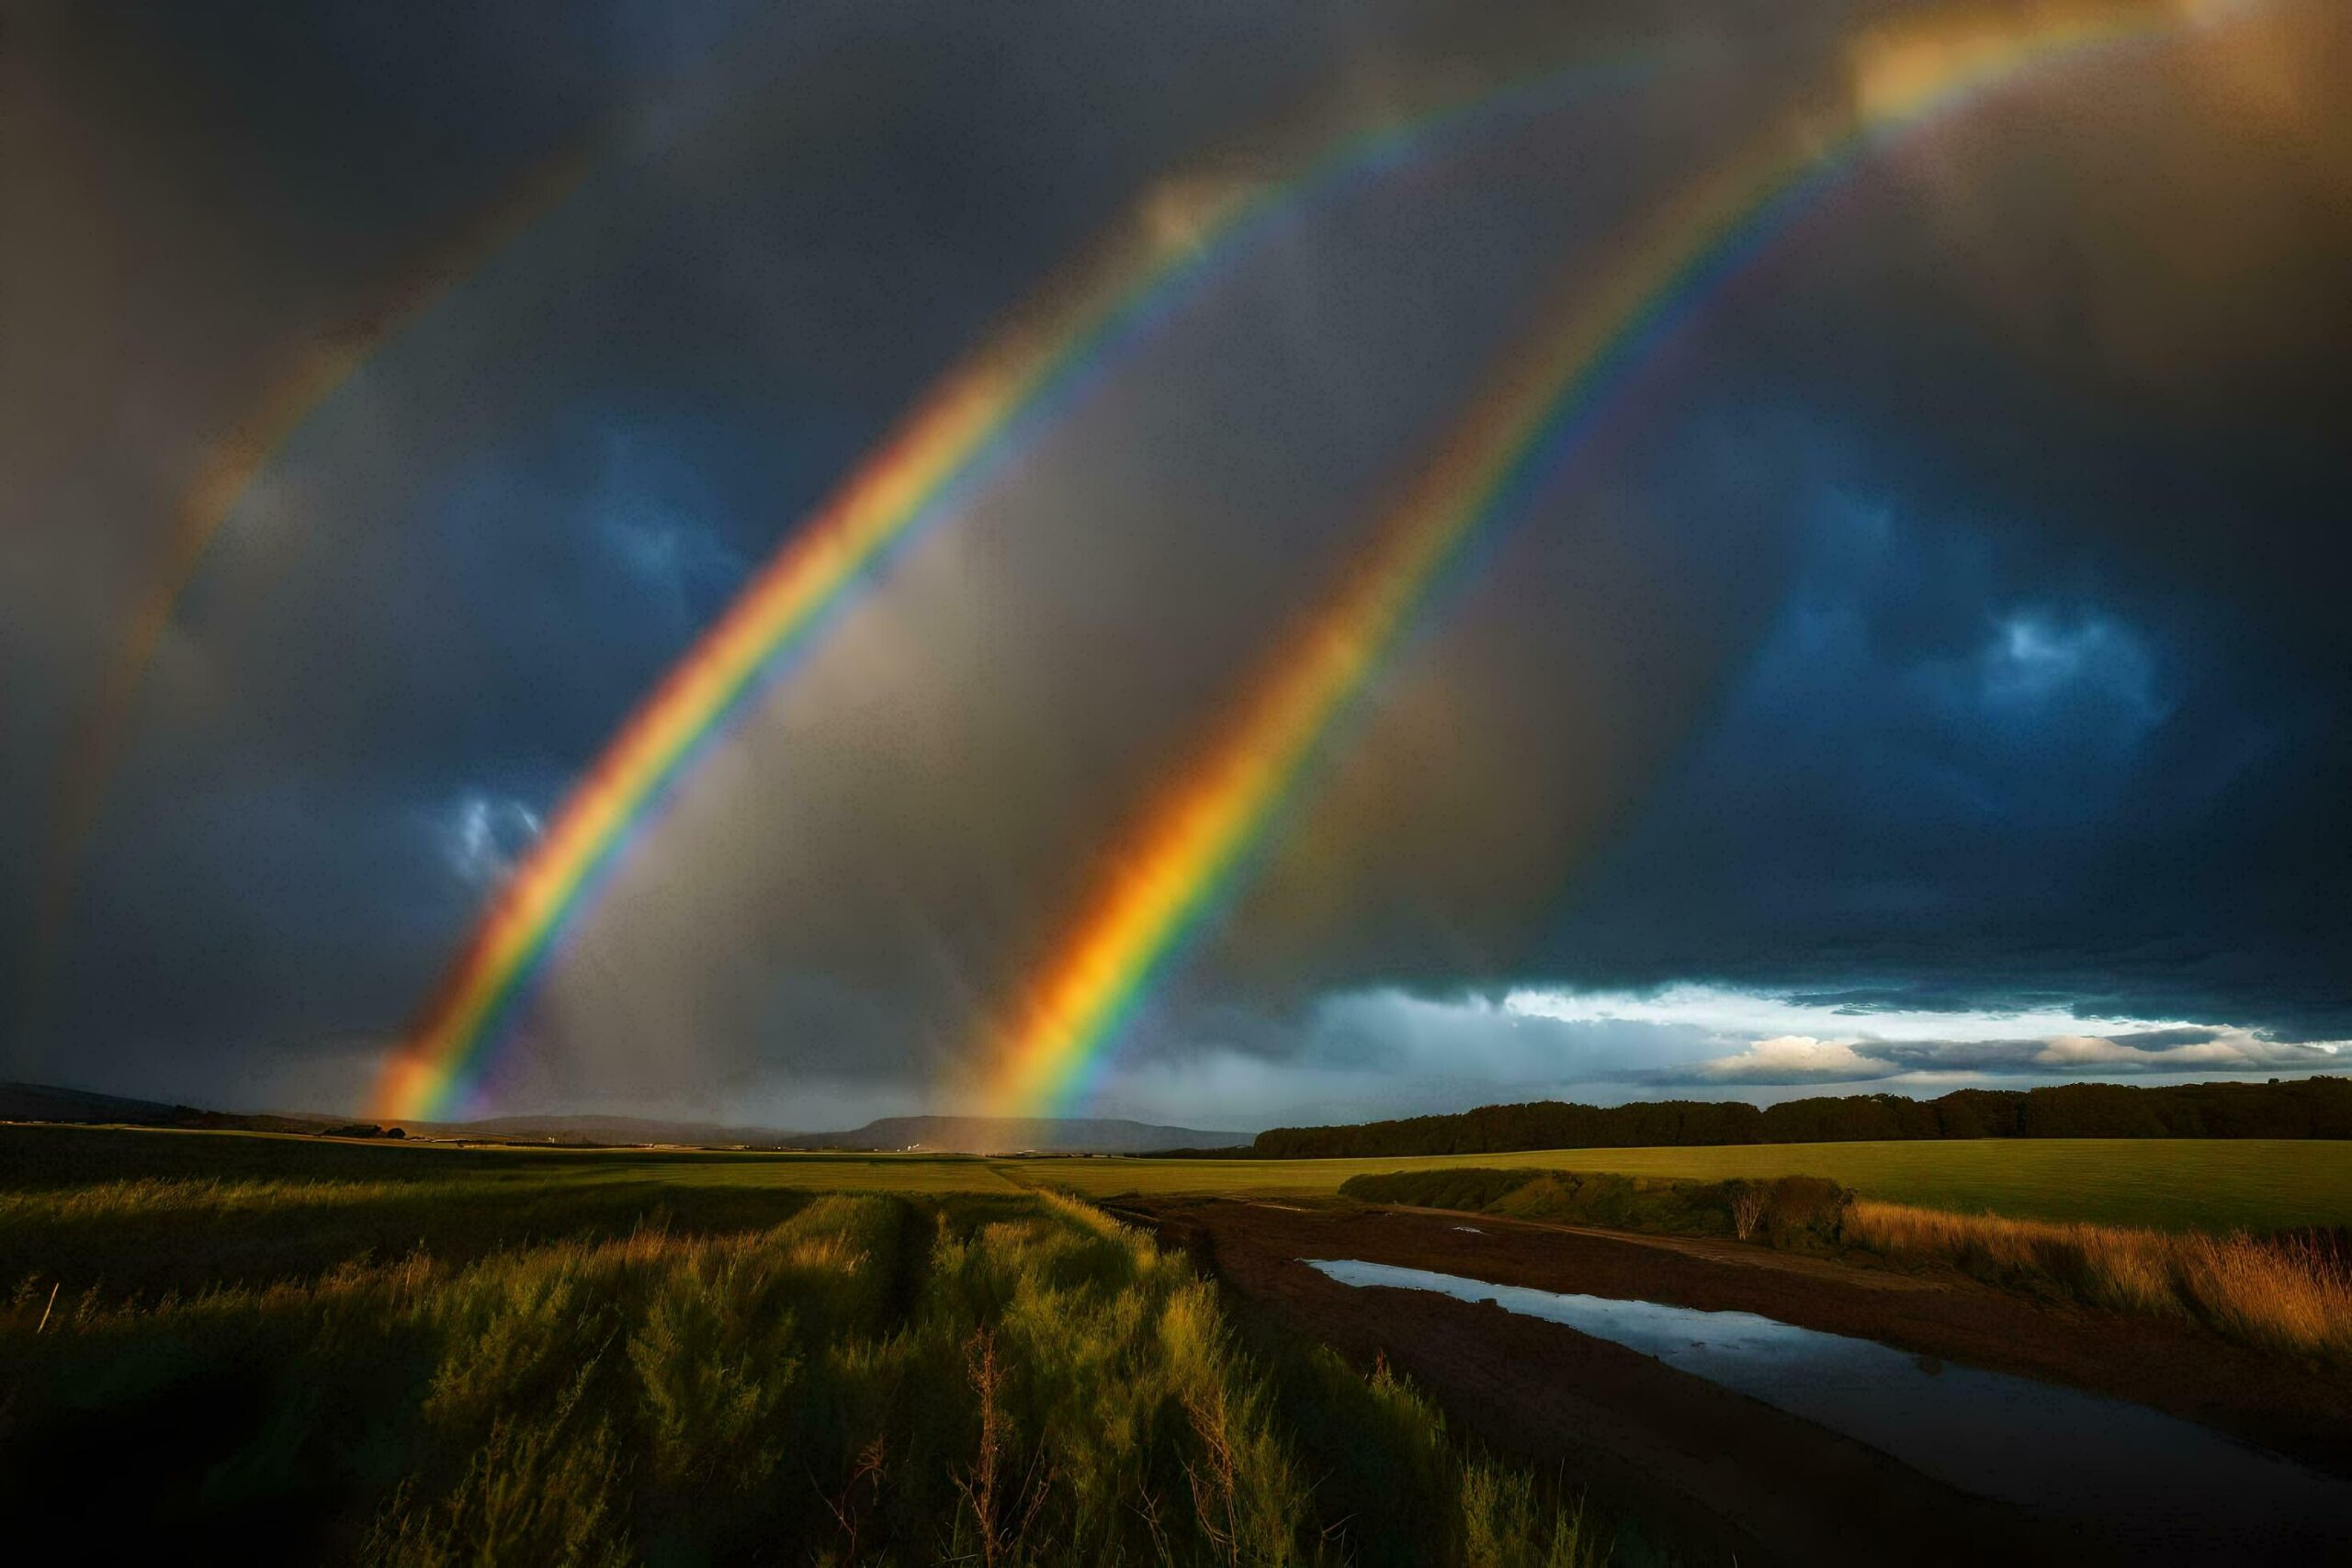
x: 1985, y: 1432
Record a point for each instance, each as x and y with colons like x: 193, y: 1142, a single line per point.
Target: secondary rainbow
x: 960, y: 433
x: 94, y: 751
x: 1193, y: 842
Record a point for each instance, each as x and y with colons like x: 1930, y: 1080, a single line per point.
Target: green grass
x: 2218, y: 1184
x: 427, y: 1355
x: 432, y: 1356
x: 40, y: 1155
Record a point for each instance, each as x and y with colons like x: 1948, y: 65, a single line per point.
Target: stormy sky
x: 1936, y: 669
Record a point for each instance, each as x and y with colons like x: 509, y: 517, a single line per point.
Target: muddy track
x: 1720, y: 1477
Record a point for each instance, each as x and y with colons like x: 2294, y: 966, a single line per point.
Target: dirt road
x: 1720, y: 1475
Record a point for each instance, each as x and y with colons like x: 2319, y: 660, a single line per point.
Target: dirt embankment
x: 1720, y: 1475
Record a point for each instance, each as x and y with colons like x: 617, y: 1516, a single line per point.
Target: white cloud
x: 2229, y: 1050
x: 1360, y: 1055
x: 1790, y: 1060
x: 486, y: 835
x: 1364, y: 1055
x: 1728, y: 1014
x: 1794, y: 1058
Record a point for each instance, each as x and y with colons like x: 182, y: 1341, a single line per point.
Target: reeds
x: 2292, y: 1294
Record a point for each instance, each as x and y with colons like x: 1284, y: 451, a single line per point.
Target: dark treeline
x: 2306, y: 1108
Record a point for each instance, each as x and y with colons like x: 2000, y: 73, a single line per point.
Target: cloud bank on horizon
x: 1937, y: 674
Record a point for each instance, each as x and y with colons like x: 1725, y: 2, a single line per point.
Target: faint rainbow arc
x: 976, y: 417
x: 95, y: 748
x: 1194, y: 839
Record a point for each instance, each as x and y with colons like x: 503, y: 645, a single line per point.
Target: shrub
x: 1805, y: 1209
x: 1747, y: 1205
x: 1468, y: 1187
x: 1790, y: 1211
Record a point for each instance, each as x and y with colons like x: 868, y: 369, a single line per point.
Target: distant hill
x: 933, y: 1134
x: 938, y: 1135
x: 1002, y: 1135
x: 48, y: 1102
x: 603, y: 1129
x: 44, y: 1102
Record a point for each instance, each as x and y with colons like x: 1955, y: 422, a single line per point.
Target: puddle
x: 2025, y: 1442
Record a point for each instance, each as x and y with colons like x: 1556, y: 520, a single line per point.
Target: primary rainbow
x: 1195, y: 839
x: 962, y: 430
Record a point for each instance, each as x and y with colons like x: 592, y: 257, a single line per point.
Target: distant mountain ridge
x: 1002, y: 1135
x: 50, y: 1102
x: 612, y: 1130
x: 935, y: 1134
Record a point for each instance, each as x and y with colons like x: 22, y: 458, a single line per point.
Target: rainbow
x: 96, y: 749
x: 962, y: 431
x: 1195, y: 842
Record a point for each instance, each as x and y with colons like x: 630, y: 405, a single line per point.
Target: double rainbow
x: 966, y: 427
x: 1195, y: 840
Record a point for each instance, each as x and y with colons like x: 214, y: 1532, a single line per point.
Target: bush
x: 1465, y: 1187
x: 1805, y: 1210
x: 1789, y: 1211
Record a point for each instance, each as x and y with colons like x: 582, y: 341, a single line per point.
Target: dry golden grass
x: 2288, y: 1294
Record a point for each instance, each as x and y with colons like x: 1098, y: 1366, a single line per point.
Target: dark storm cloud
x: 1991, y: 765
x: 1949, y: 626
x: 449, y: 583
x: 2053, y: 712
x: 2054, y: 706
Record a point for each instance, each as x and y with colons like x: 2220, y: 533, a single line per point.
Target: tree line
x: 2304, y: 1108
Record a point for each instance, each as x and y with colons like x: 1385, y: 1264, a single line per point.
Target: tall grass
x: 2290, y: 1294
x: 863, y: 1379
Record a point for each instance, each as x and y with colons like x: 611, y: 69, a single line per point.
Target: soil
x: 1712, y: 1474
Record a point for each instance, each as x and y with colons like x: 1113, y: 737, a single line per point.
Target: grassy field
x: 2218, y: 1184
x: 2259, y: 1184
x: 427, y: 1355
x: 33, y: 1156
x: 288, y: 1349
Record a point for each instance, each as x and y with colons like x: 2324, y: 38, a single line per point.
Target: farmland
x: 427, y: 1353
x: 2257, y: 1183
x: 2217, y: 1184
